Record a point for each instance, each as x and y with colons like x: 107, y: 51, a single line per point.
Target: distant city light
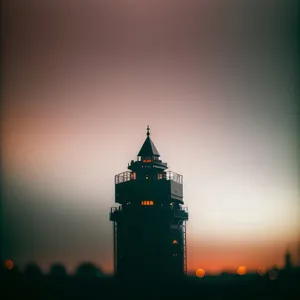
x: 261, y: 271
x: 273, y: 275
x: 8, y: 264
x: 241, y: 270
x: 200, y: 273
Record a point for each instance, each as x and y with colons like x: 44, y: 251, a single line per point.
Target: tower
x: 288, y: 261
x: 149, y: 222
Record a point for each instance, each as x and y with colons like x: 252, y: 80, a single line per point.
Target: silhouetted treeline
x: 89, y: 282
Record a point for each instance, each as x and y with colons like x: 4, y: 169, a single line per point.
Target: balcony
x: 115, y: 213
x: 167, y: 175
x: 180, y: 213
x: 124, y: 177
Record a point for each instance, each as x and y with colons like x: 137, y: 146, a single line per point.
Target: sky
x: 215, y: 81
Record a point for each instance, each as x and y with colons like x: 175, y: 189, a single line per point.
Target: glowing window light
x: 175, y: 242
x: 149, y: 160
x: 200, y: 273
x: 147, y: 202
x: 241, y: 270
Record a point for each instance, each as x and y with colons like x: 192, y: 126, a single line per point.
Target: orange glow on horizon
x: 241, y: 270
x: 200, y: 273
x: 224, y: 258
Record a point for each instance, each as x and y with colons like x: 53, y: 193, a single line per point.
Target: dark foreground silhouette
x: 90, y: 283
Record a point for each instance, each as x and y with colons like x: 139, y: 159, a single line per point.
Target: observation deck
x: 181, y: 213
x: 167, y: 175
x: 164, y: 187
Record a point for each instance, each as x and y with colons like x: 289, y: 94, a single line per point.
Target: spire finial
x: 148, y: 130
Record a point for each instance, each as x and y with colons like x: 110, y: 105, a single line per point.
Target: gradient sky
x: 215, y: 81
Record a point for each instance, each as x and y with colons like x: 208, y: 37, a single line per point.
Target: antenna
x: 148, y: 130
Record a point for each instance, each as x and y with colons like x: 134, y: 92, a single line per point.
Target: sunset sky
x: 216, y: 82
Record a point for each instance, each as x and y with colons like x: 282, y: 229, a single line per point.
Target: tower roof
x: 148, y: 148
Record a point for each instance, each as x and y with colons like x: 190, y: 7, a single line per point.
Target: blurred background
x: 216, y: 82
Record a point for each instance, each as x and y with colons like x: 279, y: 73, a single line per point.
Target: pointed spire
x: 148, y: 148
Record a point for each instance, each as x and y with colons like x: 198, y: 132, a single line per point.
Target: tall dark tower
x: 288, y: 260
x: 149, y: 223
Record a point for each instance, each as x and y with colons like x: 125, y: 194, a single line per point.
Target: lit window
x: 159, y: 176
x: 144, y: 160
x: 148, y: 160
x: 147, y: 177
x: 175, y: 242
x: 147, y: 202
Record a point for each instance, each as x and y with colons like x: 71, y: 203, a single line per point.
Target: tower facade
x: 149, y: 221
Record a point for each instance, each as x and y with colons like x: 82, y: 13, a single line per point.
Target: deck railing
x: 123, y: 177
x: 167, y: 175
x: 178, y: 213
